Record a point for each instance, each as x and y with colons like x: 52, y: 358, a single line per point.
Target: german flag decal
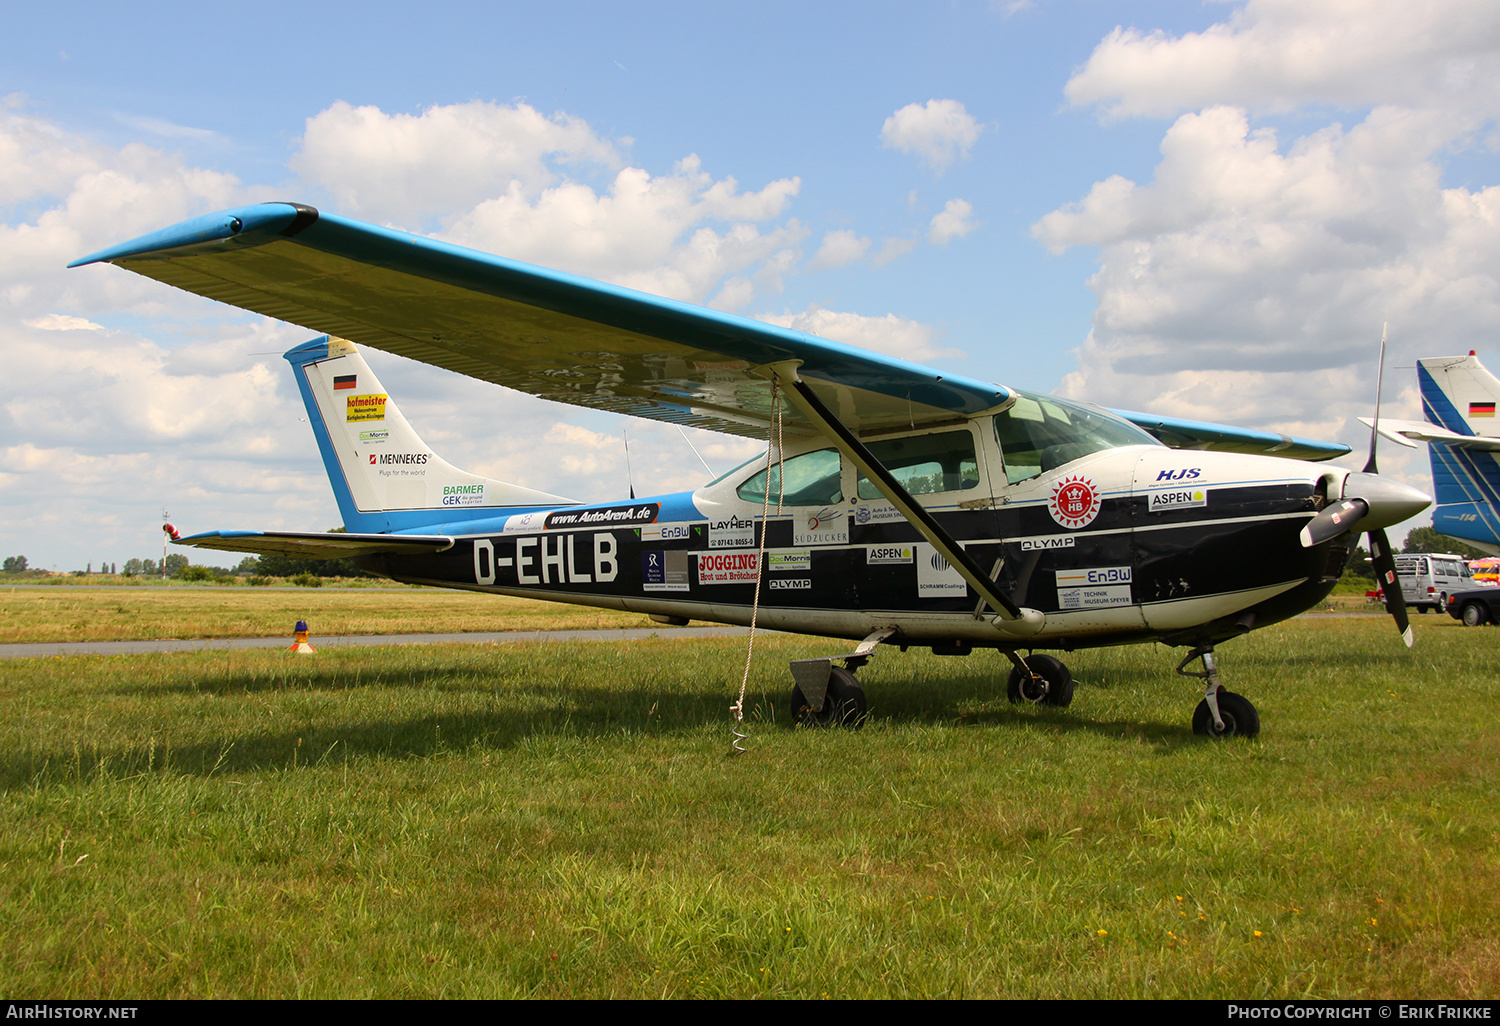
x: 1481, y: 409
x: 344, y: 381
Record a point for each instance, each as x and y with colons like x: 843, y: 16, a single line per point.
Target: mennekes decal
x: 614, y: 516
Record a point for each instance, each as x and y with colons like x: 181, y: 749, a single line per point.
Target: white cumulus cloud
x: 1263, y: 273
x: 939, y: 132
x: 406, y: 168
x: 839, y: 248
x: 1282, y: 54
x: 677, y: 235
x: 955, y: 220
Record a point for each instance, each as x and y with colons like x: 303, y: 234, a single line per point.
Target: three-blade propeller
x: 1376, y: 503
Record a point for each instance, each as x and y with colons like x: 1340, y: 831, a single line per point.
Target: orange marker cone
x: 299, y: 640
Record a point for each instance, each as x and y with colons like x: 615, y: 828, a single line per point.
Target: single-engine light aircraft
x: 895, y: 504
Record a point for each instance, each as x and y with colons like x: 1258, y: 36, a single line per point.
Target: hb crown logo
x: 1074, y: 502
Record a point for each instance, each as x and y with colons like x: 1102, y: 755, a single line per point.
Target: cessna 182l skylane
x: 895, y: 504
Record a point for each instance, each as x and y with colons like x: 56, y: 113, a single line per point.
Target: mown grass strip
x: 138, y: 614
x: 487, y: 821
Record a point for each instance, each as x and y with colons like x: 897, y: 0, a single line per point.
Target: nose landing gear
x: 1221, y: 713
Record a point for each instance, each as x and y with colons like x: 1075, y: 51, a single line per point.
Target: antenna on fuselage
x: 629, y: 476
x: 1379, y: 383
x: 696, y: 453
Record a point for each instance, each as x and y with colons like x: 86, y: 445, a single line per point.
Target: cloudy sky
x: 1197, y: 209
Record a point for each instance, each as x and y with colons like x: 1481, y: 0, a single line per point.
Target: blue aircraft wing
x: 1197, y: 434
x: 540, y: 331
x: 566, y: 338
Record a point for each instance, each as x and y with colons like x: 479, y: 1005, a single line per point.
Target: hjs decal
x: 1184, y: 474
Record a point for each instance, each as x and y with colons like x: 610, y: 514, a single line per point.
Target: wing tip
x: 281, y: 218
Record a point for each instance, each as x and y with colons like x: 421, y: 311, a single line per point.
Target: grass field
x: 80, y: 613
x: 136, y: 614
x: 563, y: 821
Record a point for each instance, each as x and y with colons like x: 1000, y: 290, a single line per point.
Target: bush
x: 259, y: 581
x: 200, y: 573
x: 307, y: 580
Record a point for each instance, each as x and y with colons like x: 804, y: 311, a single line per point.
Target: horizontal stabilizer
x: 1409, y: 432
x: 1196, y: 434
x: 312, y: 545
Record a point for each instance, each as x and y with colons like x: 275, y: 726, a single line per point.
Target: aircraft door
x: 807, y: 545
x: 947, y: 472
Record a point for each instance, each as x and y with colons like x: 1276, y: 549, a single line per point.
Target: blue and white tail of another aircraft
x: 1459, y: 397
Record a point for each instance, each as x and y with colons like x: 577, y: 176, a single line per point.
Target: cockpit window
x: 812, y: 479
x: 1041, y: 433
x: 924, y: 464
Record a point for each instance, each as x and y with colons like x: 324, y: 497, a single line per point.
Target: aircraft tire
x: 844, y: 705
x: 1239, y: 716
x: 1059, y: 680
x: 1473, y: 614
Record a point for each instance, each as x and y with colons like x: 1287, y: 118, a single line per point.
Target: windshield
x: 758, y: 458
x: 1041, y: 433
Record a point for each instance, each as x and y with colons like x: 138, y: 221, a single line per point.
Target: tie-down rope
x: 738, y: 708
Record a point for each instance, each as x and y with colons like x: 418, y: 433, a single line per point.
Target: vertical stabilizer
x: 1459, y: 394
x: 384, y: 476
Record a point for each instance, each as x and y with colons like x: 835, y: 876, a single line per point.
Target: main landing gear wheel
x: 844, y: 705
x: 1239, y: 716
x: 1053, y: 684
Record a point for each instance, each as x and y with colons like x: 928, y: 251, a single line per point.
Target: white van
x: 1428, y: 578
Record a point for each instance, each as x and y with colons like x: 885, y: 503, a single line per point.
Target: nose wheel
x: 1222, y: 713
x: 1236, y: 715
